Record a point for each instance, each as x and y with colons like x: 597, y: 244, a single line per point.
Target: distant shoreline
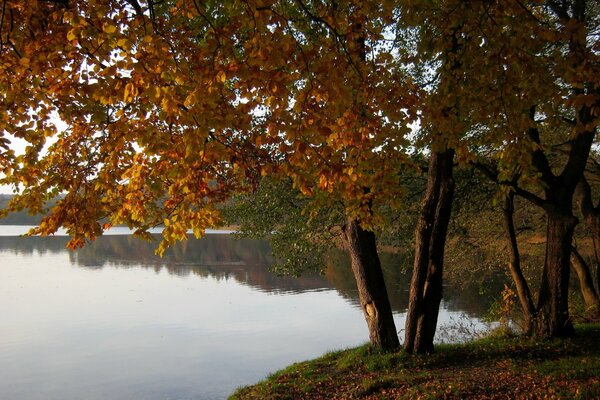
x: 20, y: 230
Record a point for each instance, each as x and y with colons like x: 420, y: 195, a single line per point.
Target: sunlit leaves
x: 175, y: 108
x: 172, y: 110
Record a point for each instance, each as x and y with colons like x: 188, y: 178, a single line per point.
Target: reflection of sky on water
x: 208, y: 317
x: 127, y: 333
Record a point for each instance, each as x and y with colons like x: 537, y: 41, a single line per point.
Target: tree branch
x: 583, y: 196
x: 336, y: 34
x: 540, y: 162
x: 492, y: 173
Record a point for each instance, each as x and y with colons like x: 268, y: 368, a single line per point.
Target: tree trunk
x: 591, y: 215
x: 372, y: 292
x: 594, y: 221
x: 586, y: 282
x: 552, y: 318
x: 514, y: 264
x: 430, y: 234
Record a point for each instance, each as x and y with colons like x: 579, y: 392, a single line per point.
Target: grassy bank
x: 491, y: 368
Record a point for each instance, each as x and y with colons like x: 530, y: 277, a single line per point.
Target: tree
x: 520, y: 73
x: 440, y: 42
x: 173, y: 107
x: 431, y: 231
x: 329, y: 132
x: 541, y: 85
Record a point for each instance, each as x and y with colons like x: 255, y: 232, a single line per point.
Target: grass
x: 496, y: 367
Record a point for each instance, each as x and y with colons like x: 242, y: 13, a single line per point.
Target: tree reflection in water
x: 248, y: 261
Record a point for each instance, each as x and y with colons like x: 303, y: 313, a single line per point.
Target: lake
x: 114, y: 321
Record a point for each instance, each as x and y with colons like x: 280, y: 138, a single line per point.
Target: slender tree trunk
x: 372, y: 292
x: 553, y: 303
x: 594, y: 222
x: 514, y: 264
x: 586, y: 282
x: 591, y: 215
x: 431, y: 230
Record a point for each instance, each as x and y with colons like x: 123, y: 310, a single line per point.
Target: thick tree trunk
x: 552, y: 318
x: 431, y: 230
x: 586, y: 282
x: 514, y: 265
x: 372, y: 292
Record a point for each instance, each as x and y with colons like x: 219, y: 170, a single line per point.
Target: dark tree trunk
x: 595, y: 224
x: 372, y: 292
x: 553, y: 304
x: 514, y: 264
x: 591, y: 215
x: 430, y: 235
x: 586, y: 282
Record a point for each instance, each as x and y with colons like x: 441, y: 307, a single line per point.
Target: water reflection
x: 247, y: 261
x: 114, y: 321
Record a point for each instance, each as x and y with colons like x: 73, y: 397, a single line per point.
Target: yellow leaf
x: 323, y: 182
x: 189, y: 100
x: 130, y: 92
x: 122, y: 43
x: 221, y: 76
x: 169, y: 105
x: 71, y: 35
x: 306, y: 190
x: 110, y: 29
x: 198, y: 232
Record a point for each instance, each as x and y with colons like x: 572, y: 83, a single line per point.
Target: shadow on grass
x: 493, y: 367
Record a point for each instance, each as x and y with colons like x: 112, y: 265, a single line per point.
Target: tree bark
x: 372, y: 292
x: 552, y: 317
x: 430, y: 235
x: 591, y: 215
x: 514, y: 265
x: 594, y: 221
x: 586, y: 282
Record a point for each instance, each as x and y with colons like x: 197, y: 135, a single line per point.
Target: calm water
x: 113, y: 321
